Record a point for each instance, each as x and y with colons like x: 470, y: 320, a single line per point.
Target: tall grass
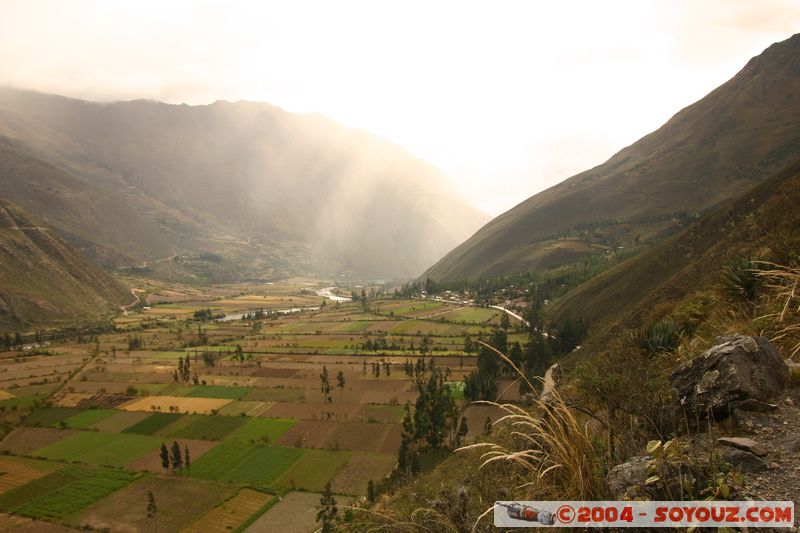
x: 782, y: 316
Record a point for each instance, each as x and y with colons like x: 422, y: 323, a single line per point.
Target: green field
x: 111, y: 449
x: 256, y: 464
x: 74, y: 496
x: 256, y: 428
x: 153, y: 423
x: 87, y: 418
x: 50, y: 416
x: 64, y: 491
x: 218, y: 391
x: 313, y: 470
x: 20, y: 402
x: 209, y: 427
x: 119, y: 421
x: 471, y: 315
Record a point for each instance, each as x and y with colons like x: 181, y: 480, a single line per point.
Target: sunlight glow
x: 506, y: 97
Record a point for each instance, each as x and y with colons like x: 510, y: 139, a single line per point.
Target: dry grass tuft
x: 782, y: 320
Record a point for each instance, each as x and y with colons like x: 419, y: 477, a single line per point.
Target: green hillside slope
x: 713, y: 150
x: 764, y: 223
x: 97, y: 222
x: 43, y: 281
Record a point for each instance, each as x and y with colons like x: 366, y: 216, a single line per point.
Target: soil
x: 24, y: 440
x: 779, y: 432
x: 152, y: 461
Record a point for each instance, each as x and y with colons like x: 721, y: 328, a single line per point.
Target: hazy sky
x: 506, y: 97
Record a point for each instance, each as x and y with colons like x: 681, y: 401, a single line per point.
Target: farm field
x: 89, y: 416
x: 181, y: 502
x: 232, y: 513
x: 294, y: 513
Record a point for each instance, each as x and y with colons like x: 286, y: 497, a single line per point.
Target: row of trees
x: 325, y: 385
x: 174, y: 458
x: 381, y: 344
x: 8, y: 342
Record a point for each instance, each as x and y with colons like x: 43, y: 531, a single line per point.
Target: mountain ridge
x: 725, y: 143
x: 271, y: 190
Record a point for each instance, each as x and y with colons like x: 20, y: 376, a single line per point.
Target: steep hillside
x: 761, y: 224
x: 44, y: 281
x: 97, y: 222
x: 712, y: 151
x: 266, y: 189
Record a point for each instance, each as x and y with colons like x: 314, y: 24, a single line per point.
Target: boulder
x: 626, y: 480
x: 676, y: 478
x: 737, y: 372
x: 742, y: 443
x: 744, y: 461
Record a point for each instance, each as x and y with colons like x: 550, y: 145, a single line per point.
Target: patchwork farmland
x: 230, y: 377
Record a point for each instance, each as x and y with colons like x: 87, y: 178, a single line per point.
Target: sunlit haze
x: 507, y: 98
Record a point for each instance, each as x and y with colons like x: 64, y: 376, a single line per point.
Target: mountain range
x: 227, y: 191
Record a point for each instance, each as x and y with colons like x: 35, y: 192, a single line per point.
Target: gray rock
x: 627, y: 481
x: 737, y: 371
x: 744, y: 461
x: 627, y: 478
x: 742, y: 443
x: 755, y: 406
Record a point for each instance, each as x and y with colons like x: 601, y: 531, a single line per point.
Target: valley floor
x: 86, y: 420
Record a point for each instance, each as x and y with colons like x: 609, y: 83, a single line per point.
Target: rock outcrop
x: 739, y: 372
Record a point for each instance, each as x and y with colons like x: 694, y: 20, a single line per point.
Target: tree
x: 152, y: 509
x: 164, y: 457
x: 175, y: 456
x: 327, y: 510
x: 340, y: 383
x: 325, y: 385
x: 505, y: 323
x: 469, y: 344
x: 186, y: 459
x: 432, y: 409
x: 463, y: 429
x: 416, y: 466
x: 426, y: 346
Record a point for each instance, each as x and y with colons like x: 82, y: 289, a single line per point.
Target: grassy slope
x: 714, y: 150
x: 761, y: 223
x: 44, y: 281
x: 100, y: 224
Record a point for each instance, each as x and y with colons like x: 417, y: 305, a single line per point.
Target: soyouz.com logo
x: 643, y: 514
